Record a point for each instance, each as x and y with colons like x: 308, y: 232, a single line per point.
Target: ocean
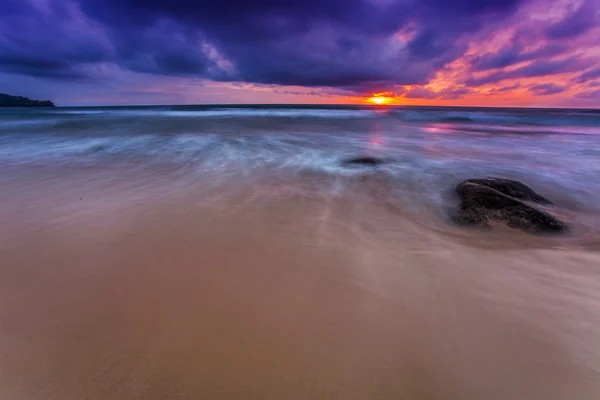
x: 231, y: 252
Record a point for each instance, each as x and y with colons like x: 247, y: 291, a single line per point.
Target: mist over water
x: 228, y: 252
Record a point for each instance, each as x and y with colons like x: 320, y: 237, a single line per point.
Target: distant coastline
x: 19, y: 101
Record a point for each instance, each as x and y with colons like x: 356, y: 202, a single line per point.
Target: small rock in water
x: 482, y: 204
x: 368, y: 161
x: 511, y: 188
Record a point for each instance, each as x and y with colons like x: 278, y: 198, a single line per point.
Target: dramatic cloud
x: 336, y: 43
x: 588, y: 75
x: 545, y: 89
x: 421, y: 93
x: 327, y: 43
x: 535, y: 69
x: 590, y: 94
x: 48, y: 41
x: 447, y: 94
x: 584, y: 18
x: 514, y: 54
x: 441, y: 50
x: 504, y: 89
x: 454, y: 93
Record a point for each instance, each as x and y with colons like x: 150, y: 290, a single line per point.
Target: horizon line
x: 316, y: 105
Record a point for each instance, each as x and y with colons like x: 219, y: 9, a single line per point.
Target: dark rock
x: 511, y: 188
x: 367, y: 161
x: 481, y: 204
x: 18, y: 101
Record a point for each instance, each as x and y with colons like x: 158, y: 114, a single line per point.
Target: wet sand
x: 150, y: 285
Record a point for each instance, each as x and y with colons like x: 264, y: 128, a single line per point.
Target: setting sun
x: 380, y: 99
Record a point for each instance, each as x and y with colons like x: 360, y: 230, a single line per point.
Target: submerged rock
x: 511, y: 188
x: 367, y: 161
x: 482, y: 204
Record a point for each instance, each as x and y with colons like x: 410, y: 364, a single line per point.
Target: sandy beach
x: 137, y: 284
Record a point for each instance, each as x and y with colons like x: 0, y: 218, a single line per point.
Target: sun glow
x: 380, y: 99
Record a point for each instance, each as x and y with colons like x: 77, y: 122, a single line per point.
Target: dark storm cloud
x: 546, y: 89
x: 13, y: 7
x: 54, y: 41
x: 36, y: 42
x: 334, y: 43
x: 166, y: 48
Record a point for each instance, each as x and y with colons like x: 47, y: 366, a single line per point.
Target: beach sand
x: 142, y: 284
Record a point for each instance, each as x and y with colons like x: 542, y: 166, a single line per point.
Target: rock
x: 18, y: 101
x: 511, y: 188
x: 366, y: 161
x: 481, y: 204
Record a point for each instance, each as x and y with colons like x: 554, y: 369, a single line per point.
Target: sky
x: 523, y: 53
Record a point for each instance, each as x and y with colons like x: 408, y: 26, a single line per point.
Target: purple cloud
x: 589, y: 94
x: 336, y: 43
x: 515, y: 53
x: 504, y: 89
x: 588, y: 75
x: 451, y: 93
x: 48, y: 42
x: 534, y: 69
x: 546, y: 89
x: 579, y: 21
x: 454, y: 93
x: 421, y: 93
x: 350, y: 46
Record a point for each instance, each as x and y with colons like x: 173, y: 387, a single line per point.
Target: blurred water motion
x: 211, y: 252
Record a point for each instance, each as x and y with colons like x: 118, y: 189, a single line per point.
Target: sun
x: 380, y: 99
